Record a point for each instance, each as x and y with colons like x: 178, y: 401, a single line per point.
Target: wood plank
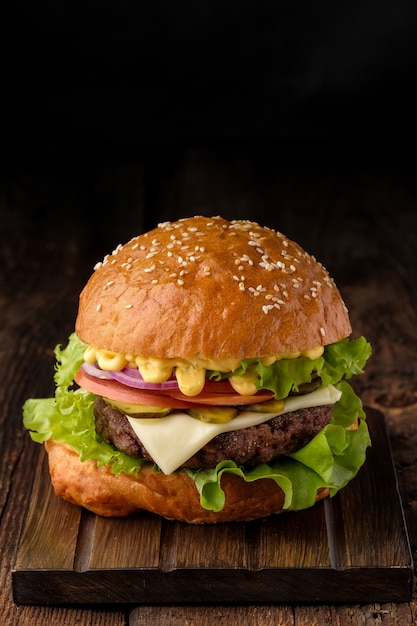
x: 134, y: 542
x: 189, y: 546
x: 51, y: 531
x: 381, y: 544
x: 353, y: 548
x: 301, y: 538
x: 219, y: 615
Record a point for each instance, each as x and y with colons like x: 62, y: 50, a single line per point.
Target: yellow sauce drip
x: 190, y: 373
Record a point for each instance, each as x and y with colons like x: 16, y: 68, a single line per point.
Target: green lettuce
x: 69, y: 417
x: 340, y: 360
x: 330, y: 460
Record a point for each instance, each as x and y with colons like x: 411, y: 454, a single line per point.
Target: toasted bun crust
x: 209, y: 288
x: 171, y: 496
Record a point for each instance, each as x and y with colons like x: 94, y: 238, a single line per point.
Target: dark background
x: 141, y: 72
x: 121, y: 113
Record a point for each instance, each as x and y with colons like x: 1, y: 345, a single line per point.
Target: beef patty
x: 279, y: 436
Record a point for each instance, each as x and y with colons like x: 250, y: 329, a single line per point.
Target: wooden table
x: 63, y: 207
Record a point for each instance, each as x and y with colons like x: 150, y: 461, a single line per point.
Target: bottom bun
x: 172, y: 496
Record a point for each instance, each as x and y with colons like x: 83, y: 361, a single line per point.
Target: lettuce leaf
x: 340, y: 360
x: 69, y: 416
x: 329, y: 460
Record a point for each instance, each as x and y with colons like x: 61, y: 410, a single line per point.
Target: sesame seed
x: 322, y: 332
x: 241, y: 287
x: 99, y: 307
x: 128, y: 306
x: 180, y: 282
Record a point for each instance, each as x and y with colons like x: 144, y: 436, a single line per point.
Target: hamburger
x: 206, y: 380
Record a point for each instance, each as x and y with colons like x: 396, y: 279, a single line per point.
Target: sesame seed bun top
x: 209, y: 288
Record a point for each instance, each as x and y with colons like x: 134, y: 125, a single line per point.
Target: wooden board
x: 352, y: 548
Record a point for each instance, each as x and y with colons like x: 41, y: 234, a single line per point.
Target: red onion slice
x: 132, y: 378
x: 128, y: 376
x: 93, y: 370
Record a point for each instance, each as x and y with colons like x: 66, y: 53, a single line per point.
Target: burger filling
x: 289, y: 421
x: 280, y: 435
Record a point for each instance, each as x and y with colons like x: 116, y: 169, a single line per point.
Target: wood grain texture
x: 353, y: 546
x: 355, y: 210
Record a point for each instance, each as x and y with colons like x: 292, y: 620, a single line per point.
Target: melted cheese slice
x: 173, y: 439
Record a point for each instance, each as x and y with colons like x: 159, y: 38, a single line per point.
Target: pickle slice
x: 269, y: 406
x: 214, y: 415
x: 139, y: 410
x: 306, y: 388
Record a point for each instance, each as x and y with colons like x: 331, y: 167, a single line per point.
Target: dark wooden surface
x: 338, y: 551
x: 62, y: 208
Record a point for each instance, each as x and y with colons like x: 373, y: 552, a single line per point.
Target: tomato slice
x: 213, y: 386
x: 219, y: 393
x: 224, y: 399
x: 117, y: 391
